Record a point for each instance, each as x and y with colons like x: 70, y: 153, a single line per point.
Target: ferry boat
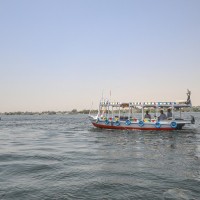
x: 125, y: 116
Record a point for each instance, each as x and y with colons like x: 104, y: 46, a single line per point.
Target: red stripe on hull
x: 132, y: 128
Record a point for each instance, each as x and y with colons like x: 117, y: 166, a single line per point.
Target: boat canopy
x: 145, y: 104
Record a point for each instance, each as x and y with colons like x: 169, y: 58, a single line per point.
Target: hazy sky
x: 61, y: 54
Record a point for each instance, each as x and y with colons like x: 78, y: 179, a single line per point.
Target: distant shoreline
x: 75, y: 111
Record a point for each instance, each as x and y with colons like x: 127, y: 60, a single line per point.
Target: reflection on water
x: 64, y: 157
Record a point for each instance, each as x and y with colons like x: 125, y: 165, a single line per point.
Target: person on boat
x: 162, y: 116
x: 147, y: 115
x: 169, y: 113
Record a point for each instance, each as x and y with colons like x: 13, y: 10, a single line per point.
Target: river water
x: 64, y: 157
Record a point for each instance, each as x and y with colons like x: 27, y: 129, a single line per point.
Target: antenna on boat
x: 101, y: 100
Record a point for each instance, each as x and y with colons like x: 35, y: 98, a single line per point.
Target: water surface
x: 64, y: 157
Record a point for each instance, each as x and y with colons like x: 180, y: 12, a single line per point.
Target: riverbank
x: 75, y: 111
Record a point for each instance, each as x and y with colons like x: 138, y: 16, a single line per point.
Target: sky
x: 62, y: 55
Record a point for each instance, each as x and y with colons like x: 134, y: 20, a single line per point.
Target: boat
x: 125, y: 116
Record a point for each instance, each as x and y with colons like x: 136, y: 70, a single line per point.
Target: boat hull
x: 148, y: 128
x: 154, y: 125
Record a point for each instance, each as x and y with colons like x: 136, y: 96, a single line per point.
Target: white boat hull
x: 138, y: 125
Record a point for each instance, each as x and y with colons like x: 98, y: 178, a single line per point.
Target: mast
x: 142, y: 111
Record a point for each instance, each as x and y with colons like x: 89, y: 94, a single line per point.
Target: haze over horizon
x: 60, y: 55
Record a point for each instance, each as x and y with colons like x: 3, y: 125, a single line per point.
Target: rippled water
x: 64, y: 157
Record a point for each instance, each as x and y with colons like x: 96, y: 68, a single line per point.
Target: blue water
x: 64, y: 157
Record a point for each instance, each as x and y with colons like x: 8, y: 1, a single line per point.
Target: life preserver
x: 141, y: 123
x: 157, y: 125
x: 173, y: 124
x: 117, y: 123
x: 107, y: 121
x: 128, y: 122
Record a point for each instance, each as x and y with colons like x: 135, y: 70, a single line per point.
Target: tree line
x: 85, y: 111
